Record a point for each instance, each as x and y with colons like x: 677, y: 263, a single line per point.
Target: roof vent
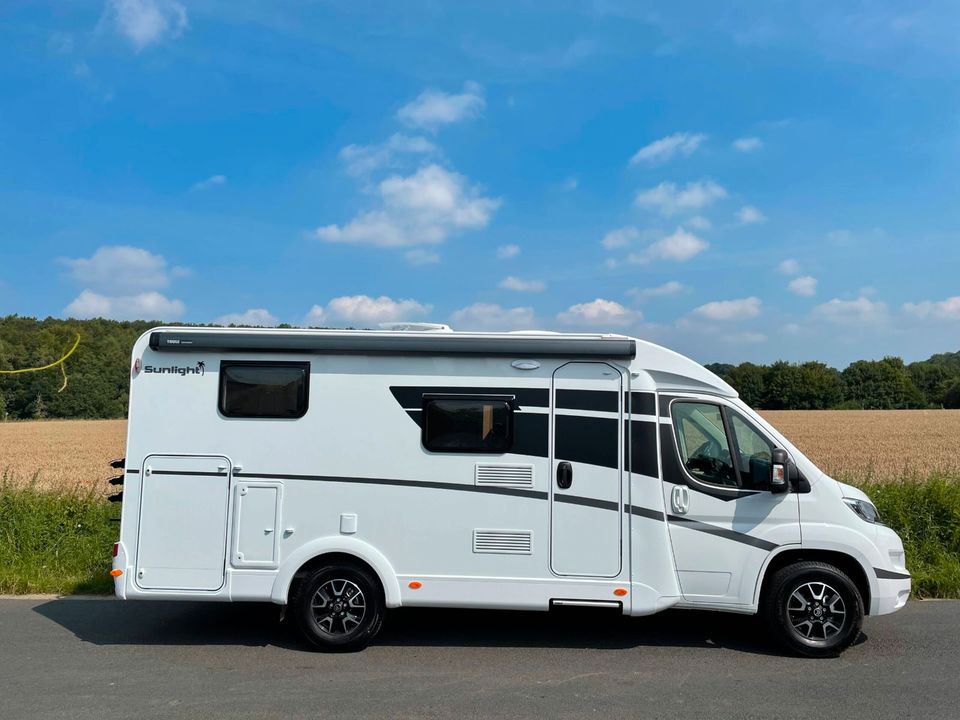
x: 415, y: 327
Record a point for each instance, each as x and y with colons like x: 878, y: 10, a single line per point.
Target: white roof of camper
x: 670, y: 370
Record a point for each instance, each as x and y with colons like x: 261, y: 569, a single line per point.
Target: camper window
x: 251, y: 389
x: 479, y: 424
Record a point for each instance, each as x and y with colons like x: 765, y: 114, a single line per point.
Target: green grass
x: 55, y: 542
x: 925, y: 512
x: 60, y: 542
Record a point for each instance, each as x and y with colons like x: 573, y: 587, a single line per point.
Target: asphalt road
x: 100, y: 658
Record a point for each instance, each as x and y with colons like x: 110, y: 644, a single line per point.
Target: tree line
x: 98, y: 375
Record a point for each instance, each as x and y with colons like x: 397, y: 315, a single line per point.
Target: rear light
x: 116, y: 549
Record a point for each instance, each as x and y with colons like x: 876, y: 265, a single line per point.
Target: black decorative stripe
x: 646, y: 512
x: 514, y: 492
x: 531, y: 434
x: 586, y: 439
x: 596, y: 400
x: 643, y: 403
x: 665, y: 405
x: 890, y: 574
x: 641, y: 455
x: 189, y: 473
x: 132, y: 471
x: 722, y: 532
x: 588, y: 502
x: 411, y: 397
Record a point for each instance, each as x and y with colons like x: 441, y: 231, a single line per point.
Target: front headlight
x: 864, y: 509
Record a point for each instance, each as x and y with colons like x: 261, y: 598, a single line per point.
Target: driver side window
x: 702, y: 440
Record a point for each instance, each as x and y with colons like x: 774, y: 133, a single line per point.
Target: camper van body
x: 582, y: 495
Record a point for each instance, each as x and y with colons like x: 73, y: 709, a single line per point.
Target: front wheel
x: 813, y: 609
x: 339, y: 607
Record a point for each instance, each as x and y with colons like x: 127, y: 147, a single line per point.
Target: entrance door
x: 723, y: 519
x: 183, y: 522
x: 586, y: 458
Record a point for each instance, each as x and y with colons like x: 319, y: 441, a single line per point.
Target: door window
x: 754, y: 452
x: 702, y: 442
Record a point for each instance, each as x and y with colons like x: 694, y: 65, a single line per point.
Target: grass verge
x: 925, y: 513
x: 59, y: 542
x: 55, y: 542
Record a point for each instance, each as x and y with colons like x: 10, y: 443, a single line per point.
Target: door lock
x: 564, y: 475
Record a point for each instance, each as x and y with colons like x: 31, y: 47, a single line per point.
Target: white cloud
x: 505, y: 252
x: 599, y: 313
x: 861, y: 311
x: 670, y: 199
x: 747, y: 144
x: 749, y: 215
x: 362, y: 160
x: 254, y: 317
x: 519, y: 285
x: 840, y: 237
x: 668, y: 288
x: 434, y: 108
x: 678, y: 247
x: 571, y: 183
x: 364, y: 310
x: 789, y: 267
x: 491, y: 317
x: 699, y: 222
x: 729, y: 309
x: 946, y: 310
x: 620, y: 238
x: 146, y: 22
x: 144, y: 306
x: 122, y: 267
x: 210, y: 182
x: 419, y: 209
x: 666, y: 147
x: 419, y: 256
x: 805, y: 285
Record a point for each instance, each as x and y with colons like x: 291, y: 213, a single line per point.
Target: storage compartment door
x: 256, y: 524
x: 183, y: 522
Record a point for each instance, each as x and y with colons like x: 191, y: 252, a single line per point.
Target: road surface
x: 100, y: 658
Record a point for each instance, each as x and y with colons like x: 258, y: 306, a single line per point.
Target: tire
x: 339, y: 608
x: 813, y: 609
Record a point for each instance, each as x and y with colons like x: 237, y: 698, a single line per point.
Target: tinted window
x: 483, y: 425
x: 264, y: 389
x: 754, y: 452
x: 702, y: 442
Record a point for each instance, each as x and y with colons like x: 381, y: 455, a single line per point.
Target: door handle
x: 564, y: 475
x: 680, y: 499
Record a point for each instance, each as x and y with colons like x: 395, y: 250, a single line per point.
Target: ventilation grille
x: 503, y: 542
x: 513, y: 476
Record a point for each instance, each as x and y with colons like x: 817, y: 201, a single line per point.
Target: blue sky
x: 738, y: 181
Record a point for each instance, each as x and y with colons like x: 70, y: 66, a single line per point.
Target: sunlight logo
x: 199, y: 369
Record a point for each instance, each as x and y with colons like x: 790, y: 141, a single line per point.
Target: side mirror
x: 779, y: 469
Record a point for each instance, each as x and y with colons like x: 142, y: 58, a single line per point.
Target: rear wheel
x: 339, y: 607
x: 813, y: 609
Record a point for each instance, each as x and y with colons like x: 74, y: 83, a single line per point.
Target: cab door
x: 724, y: 521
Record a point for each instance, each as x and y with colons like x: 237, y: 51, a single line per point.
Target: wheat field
x: 860, y: 444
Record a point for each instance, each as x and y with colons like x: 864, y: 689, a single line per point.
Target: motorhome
x: 342, y: 473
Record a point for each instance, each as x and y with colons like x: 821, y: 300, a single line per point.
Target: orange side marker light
x: 620, y: 592
x: 415, y: 585
x: 116, y: 572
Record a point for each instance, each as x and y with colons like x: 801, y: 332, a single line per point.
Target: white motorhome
x: 341, y: 473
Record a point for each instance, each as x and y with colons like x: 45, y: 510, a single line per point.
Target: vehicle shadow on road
x: 110, y: 622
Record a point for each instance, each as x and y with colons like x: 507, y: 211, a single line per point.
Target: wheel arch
x: 847, y: 563
x: 325, y: 551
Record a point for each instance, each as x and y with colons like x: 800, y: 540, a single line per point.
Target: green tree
x: 951, y: 397
x: 750, y: 381
x: 881, y: 385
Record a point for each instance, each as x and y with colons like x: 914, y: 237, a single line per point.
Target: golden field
x: 62, y: 453
x: 875, y: 444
